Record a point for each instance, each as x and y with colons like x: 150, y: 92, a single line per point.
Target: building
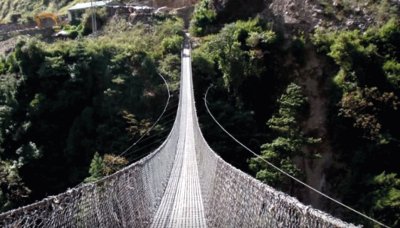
x: 76, y: 11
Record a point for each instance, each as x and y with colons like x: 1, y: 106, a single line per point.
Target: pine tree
x: 288, y: 142
x: 96, y: 170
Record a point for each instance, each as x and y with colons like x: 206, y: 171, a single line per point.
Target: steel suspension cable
x: 144, y: 147
x: 285, y: 173
x: 150, y: 143
x: 155, y: 123
x: 158, y: 133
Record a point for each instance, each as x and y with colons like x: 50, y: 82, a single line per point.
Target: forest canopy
x: 63, y: 103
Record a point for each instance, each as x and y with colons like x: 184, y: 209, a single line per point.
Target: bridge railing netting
x: 127, y: 198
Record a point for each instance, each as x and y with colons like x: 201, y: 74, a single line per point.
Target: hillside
x: 67, y: 102
x: 28, y: 8
x: 313, y: 86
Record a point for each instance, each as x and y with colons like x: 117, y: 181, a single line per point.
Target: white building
x: 76, y: 11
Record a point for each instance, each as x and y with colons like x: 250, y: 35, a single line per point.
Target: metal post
x: 95, y: 19
x: 93, y: 15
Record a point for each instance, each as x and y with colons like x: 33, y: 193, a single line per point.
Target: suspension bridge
x: 183, y: 183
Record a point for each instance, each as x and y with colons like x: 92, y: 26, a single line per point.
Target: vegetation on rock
x: 257, y: 72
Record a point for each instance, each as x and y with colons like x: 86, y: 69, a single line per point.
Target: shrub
x: 172, y: 44
x: 203, y: 19
x: 392, y: 71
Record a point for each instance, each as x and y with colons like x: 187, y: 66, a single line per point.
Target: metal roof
x: 87, y: 5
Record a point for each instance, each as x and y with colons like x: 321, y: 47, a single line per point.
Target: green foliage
x: 203, y: 64
x: 8, y: 85
x: 103, y: 166
x: 170, y: 66
x: 291, y: 104
x: 27, y: 9
x: 380, y: 11
x: 386, y: 198
x: 135, y: 128
x: 366, y: 91
x: 386, y: 10
x: 203, y: 19
x: 117, y: 25
x: 61, y: 102
x: 172, y: 44
x: 73, y: 31
x: 361, y: 55
x: 368, y: 62
x: 101, y: 20
x: 13, y: 190
x: 287, y: 145
x: 365, y: 106
x: 239, y: 50
x: 392, y: 72
x: 242, y: 60
x: 96, y: 170
x: 2, y: 66
x: 113, y: 163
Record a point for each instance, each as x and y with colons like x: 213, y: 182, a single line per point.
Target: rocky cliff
x: 300, y: 18
x: 309, y: 14
x: 173, y: 3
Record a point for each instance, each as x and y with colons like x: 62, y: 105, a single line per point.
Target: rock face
x: 305, y: 15
x: 282, y: 11
x: 228, y: 10
x: 185, y: 13
x: 173, y: 3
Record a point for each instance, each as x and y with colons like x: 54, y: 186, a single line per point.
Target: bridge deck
x: 182, y: 204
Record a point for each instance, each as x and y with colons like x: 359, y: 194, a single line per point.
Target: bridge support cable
x: 155, y: 123
x: 153, y: 138
x: 285, y: 173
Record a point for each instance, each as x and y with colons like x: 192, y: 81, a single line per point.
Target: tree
x: 13, y: 191
x: 61, y: 101
x: 113, y: 163
x: 366, y: 103
x: 365, y: 107
x: 288, y: 142
x: 96, y: 170
x: 386, y: 198
x: 103, y: 166
x: 239, y: 51
x: 203, y: 19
